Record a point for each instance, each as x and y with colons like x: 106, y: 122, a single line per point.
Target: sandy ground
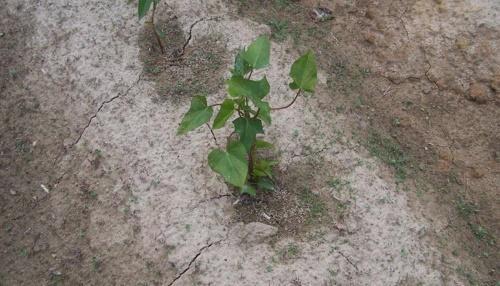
x: 131, y: 203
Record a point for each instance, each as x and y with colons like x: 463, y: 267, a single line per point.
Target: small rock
x: 462, y: 42
x: 44, y: 188
x: 257, y: 231
x: 370, y: 38
x: 478, y: 93
x: 12, y: 192
x: 370, y: 14
x: 478, y: 172
x: 352, y: 226
x: 495, y: 83
x: 443, y: 165
x: 320, y: 14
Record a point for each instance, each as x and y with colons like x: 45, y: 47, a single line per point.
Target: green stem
x: 251, y: 162
x: 256, y: 113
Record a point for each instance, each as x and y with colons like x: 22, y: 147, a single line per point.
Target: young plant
x: 142, y: 9
x: 237, y: 163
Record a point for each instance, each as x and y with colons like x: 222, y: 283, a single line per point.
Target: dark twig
x: 213, y: 134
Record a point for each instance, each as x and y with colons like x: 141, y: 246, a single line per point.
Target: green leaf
x: 264, y: 168
x: 264, y: 111
x: 257, y: 54
x: 265, y: 183
x: 231, y: 164
x: 198, y: 114
x: 241, y: 66
x: 247, y: 189
x: 261, y: 144
x: 304, y: 73
x: 248, y: 128
x: 255, y: 90
x: 225, y: 112
x: 143, y: 7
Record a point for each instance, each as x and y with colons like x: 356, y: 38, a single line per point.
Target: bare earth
x: 97, y: 189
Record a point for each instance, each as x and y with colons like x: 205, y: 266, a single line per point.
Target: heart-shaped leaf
x: 143, y: 7
x: 230, y: 164
x: 198, y: 114
x: 225, y: 112
x: 255, y: 90
x: 304, y: 73
x: 257, y: 54
x: 248, y: 128
x: 241, y: 66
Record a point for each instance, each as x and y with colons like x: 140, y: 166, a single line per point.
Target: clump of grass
x: 96, y: 263
x: 314, y: 203
x: 290, y: 251
x: 279, y: 29
x: 388, y: 152
x: 478, y: 231
x: 467, y: 274
x: 466, y: 209
x: 282, y: 3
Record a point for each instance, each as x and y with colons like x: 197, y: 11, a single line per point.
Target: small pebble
x: 12, y: 192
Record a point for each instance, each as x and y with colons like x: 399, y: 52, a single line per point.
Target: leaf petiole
x: 290, y: 104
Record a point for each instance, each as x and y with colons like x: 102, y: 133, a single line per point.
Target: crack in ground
x: 211, y: 199
x: 193, y: 260
x: 190, y: 35
x: 314, y: 153
x: 429, y: 69
x: 428, y: 77
x: 66, y: 150
x: 403, y: 22
x: 101, y: 107
x: 349, y: 260
x: 401, y: 80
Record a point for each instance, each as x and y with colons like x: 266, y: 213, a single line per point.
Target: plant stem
x: 213, y: 134
x: 251, y: 161
x: 154, y: 28
x: 290, y: 104
x: 256, y: 113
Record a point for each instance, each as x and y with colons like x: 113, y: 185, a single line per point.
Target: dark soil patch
x: 185, y: 69
x: 297, y: 207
